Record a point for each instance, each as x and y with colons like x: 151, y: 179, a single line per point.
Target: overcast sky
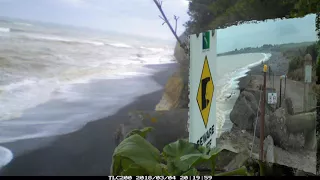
x: 136, y: 16
x: 141, y: 17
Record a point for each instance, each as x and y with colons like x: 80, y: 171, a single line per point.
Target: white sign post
x: 308, y: 73
x: 202, y: 106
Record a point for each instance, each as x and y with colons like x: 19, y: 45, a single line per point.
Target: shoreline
x: 87, y: 151
x: 276, y: 62
x: 243, y: 83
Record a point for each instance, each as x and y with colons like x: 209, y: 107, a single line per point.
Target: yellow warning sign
x: 205, y: 92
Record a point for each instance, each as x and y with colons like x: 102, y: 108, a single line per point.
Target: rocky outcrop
x: 245, y: 109
x: 288, y: 105
x: 290, y: 131
x: 172, y: 93
x: 176, y: 91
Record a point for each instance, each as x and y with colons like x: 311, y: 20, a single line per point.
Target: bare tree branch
x: 174, y: 32
x: 176, y: 19
x: 161, y: 17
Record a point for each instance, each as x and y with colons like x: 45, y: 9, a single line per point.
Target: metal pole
x: 273, y: 81
x: 265, y: 68
x: 304, y: 97
x: 280, y: 90
x: 285, y: 86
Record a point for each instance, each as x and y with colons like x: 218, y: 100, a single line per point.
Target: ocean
x: 46, y: 68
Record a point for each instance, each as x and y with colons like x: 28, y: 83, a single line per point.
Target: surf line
x: 206, y: 136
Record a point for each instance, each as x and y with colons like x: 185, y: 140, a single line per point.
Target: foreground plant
x: 135, y: 156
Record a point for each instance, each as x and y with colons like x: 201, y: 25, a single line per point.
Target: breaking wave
x: 120, y: 45
x: 5, y: 30
x: 63, y: 39
x: 6, y: 156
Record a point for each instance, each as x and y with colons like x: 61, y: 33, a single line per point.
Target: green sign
x: 206, y: 40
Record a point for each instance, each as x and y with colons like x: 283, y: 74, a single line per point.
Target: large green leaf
x: 178, y: 149
x: 197, y: 158
x: 174, y: 151
x: 135, y: 152
x: 134, y: 170
x: 207, y: 154
x: 191, y: 172
x: 143, y: 132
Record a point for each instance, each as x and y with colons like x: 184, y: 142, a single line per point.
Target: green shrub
x: 135, y: 156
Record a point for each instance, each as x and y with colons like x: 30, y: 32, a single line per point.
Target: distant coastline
x: 267, y: 48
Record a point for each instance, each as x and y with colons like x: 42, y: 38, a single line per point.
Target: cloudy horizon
x: 141, y: 18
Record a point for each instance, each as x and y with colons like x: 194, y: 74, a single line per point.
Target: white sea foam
x: 22, y: 24
x: 19, y: 96
x: 120, y: 45
x: 64, y: 39
x: 5, y: 156
x: 153, y: 49
x: 4, y: 30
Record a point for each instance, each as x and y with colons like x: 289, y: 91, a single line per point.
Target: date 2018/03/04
x: 160, y: 177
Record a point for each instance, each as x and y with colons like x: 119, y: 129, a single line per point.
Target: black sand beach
x: 277, y: 63
x: 82, y: 153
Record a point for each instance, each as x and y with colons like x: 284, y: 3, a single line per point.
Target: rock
x: 268, y: 147
x: 176, y: 93
x: 303, y: 124
x: 238, y: 142
x: 278, y: 129
x: 169, y: 126
x: 244, y: 111
x: 256, y: 93
x: 288, y: 105
x: 224, y: 158
x: 289, y: 132
x: 237, y: 161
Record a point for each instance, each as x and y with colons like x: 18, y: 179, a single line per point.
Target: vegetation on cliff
x: 267, y: 48
x: 216, y: 14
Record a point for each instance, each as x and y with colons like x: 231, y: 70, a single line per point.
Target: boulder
x: 303, y: 124
x: 288, y: 105
x: 278, y: 129
x: 256, y: 125
x: 244, y: 111
x: 238, y: 161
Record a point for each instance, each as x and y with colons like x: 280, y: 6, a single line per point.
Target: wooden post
x: 265, y: 69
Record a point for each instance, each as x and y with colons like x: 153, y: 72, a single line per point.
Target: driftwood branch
x: 166, y: 21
